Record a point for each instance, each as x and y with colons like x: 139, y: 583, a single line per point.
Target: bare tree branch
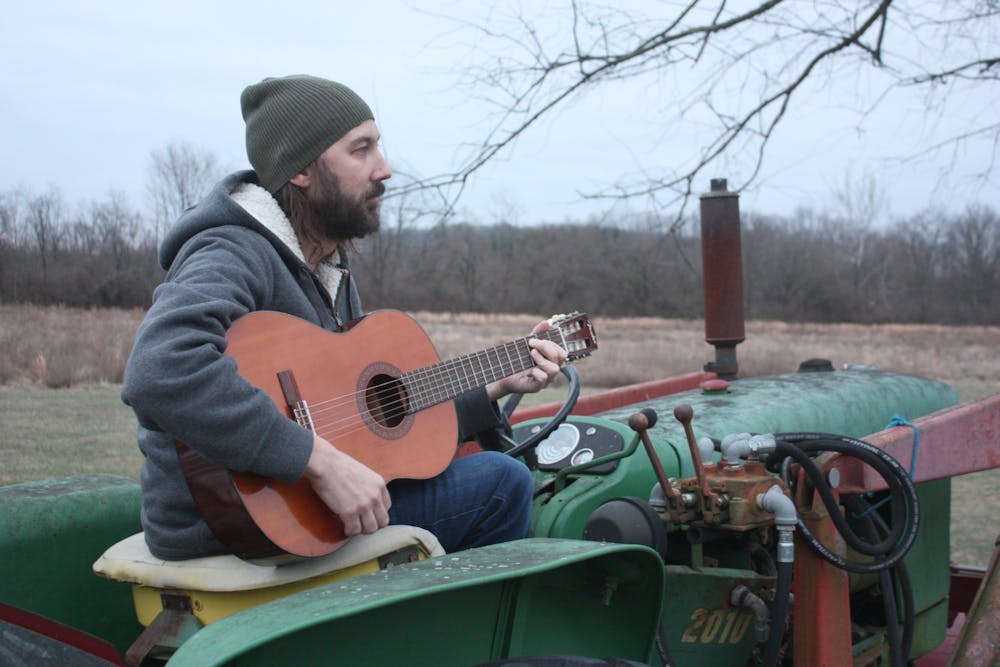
x: 744, y: 69
x: 179, y: 176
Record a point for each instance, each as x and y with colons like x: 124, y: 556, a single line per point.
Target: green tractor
x: 708, y: 519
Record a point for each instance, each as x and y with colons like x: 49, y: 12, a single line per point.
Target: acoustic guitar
x: 377, y: 391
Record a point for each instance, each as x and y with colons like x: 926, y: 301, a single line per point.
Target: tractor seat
x: 175, y: 599
x: 218, y: 586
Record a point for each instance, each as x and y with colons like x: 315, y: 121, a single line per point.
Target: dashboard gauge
x: 579, y: 442
x: 558, y: 445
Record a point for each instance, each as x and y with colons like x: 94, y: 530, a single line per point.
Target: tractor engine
x: 739, y: 491
x: 785, y: 537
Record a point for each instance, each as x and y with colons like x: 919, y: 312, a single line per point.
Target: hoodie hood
x: 240, y: 200
x: 264, y: 208
x: 220, y: 209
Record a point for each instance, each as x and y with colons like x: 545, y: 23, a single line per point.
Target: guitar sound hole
x: 385, y: 399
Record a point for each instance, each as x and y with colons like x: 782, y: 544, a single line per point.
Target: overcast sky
x: 90, y: 88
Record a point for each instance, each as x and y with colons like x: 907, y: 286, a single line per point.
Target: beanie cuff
x: 291, y: 121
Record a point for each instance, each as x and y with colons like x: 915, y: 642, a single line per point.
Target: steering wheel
x: 519, y: 448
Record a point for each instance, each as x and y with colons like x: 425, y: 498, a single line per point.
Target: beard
x: 336, y: 216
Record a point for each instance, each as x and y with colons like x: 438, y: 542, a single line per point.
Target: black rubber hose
x: 902, y: 574
x: 661, y: 647
x: 865, y: 567
x: 905, y: 584
x: 906, y: 506
x: 896, y: 656
x: 885, y: 465
x: 798, y: 446
x: 801, y: 456
x: 779, y: 615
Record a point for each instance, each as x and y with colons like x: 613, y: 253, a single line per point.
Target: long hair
x: 308, y: 216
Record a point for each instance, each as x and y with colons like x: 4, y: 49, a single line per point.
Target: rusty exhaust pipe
x: 722, y: 276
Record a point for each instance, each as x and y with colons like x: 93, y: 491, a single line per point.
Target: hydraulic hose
x: 779, y: 613
x: 785, y: 519
x: 801, y: 455
x: 887, y: 551
x: 897, y: 658
x: 741, y: 596
x: 903, y: 581
x: 661, y: 647
x: 898, y: 480
x: 885, y: 544
x: 900, y: 573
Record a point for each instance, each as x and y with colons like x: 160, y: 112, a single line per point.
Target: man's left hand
x: 548, y: 358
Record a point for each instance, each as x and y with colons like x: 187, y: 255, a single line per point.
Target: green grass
x: 46, y: 433
x: 974, y: 525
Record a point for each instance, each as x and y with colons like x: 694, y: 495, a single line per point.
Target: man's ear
x: 301, y: 179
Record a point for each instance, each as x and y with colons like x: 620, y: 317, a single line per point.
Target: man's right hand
x: 353, y: 491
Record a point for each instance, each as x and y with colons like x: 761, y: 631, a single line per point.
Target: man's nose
x: 382, y: 170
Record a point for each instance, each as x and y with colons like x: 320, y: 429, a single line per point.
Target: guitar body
x: 376, y: 391
x: 342, y: 378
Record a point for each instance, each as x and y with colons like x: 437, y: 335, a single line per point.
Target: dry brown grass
x: 58, y: 347
x: 639, y: 349
x: 62, y: 347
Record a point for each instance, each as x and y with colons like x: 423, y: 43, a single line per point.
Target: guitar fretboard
x: 447, y: 380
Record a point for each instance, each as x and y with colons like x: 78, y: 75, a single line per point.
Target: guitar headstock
x: 575, y: 334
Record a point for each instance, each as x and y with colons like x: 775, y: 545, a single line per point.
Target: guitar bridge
x: 293, y: 398
x: 302, y: 415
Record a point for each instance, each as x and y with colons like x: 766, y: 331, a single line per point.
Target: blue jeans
x: 480, y: 499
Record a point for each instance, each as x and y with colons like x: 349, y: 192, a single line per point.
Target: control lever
x: 640, y: 422
x: 684, y: 413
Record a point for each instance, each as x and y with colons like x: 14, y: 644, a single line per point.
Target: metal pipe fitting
x: 657, y: 498
x: 776, y: 502
x: 738, y: 446
x: 742, y: 596
x: 736, y: 452
x: 762, y: 445
x: 785, y: 520
x: 735, y: 447
x: 707, y: 450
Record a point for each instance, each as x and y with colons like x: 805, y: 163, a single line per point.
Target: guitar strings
x: 388, y: 406
x: 413, y: 388
x: 402, y: 388
x: 392, y: 397
x: 429, y: 373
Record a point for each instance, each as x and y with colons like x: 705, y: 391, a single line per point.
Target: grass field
x: 46, y: 432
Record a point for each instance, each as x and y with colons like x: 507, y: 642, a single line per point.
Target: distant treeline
x: 931, y: 268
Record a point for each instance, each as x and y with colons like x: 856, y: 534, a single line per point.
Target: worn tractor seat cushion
x: 131, y: 561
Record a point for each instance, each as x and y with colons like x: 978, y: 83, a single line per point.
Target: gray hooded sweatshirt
x: 232, y: 254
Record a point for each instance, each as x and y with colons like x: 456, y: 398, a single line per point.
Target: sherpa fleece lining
x: 259, y: 203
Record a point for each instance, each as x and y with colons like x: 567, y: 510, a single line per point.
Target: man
x: 278, y: 238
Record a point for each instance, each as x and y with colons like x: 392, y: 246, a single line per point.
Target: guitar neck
x: 447, y: 380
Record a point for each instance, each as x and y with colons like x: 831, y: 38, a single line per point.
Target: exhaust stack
x: 722, y: 276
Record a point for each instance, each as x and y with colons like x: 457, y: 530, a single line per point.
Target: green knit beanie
x: 291, y: 120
